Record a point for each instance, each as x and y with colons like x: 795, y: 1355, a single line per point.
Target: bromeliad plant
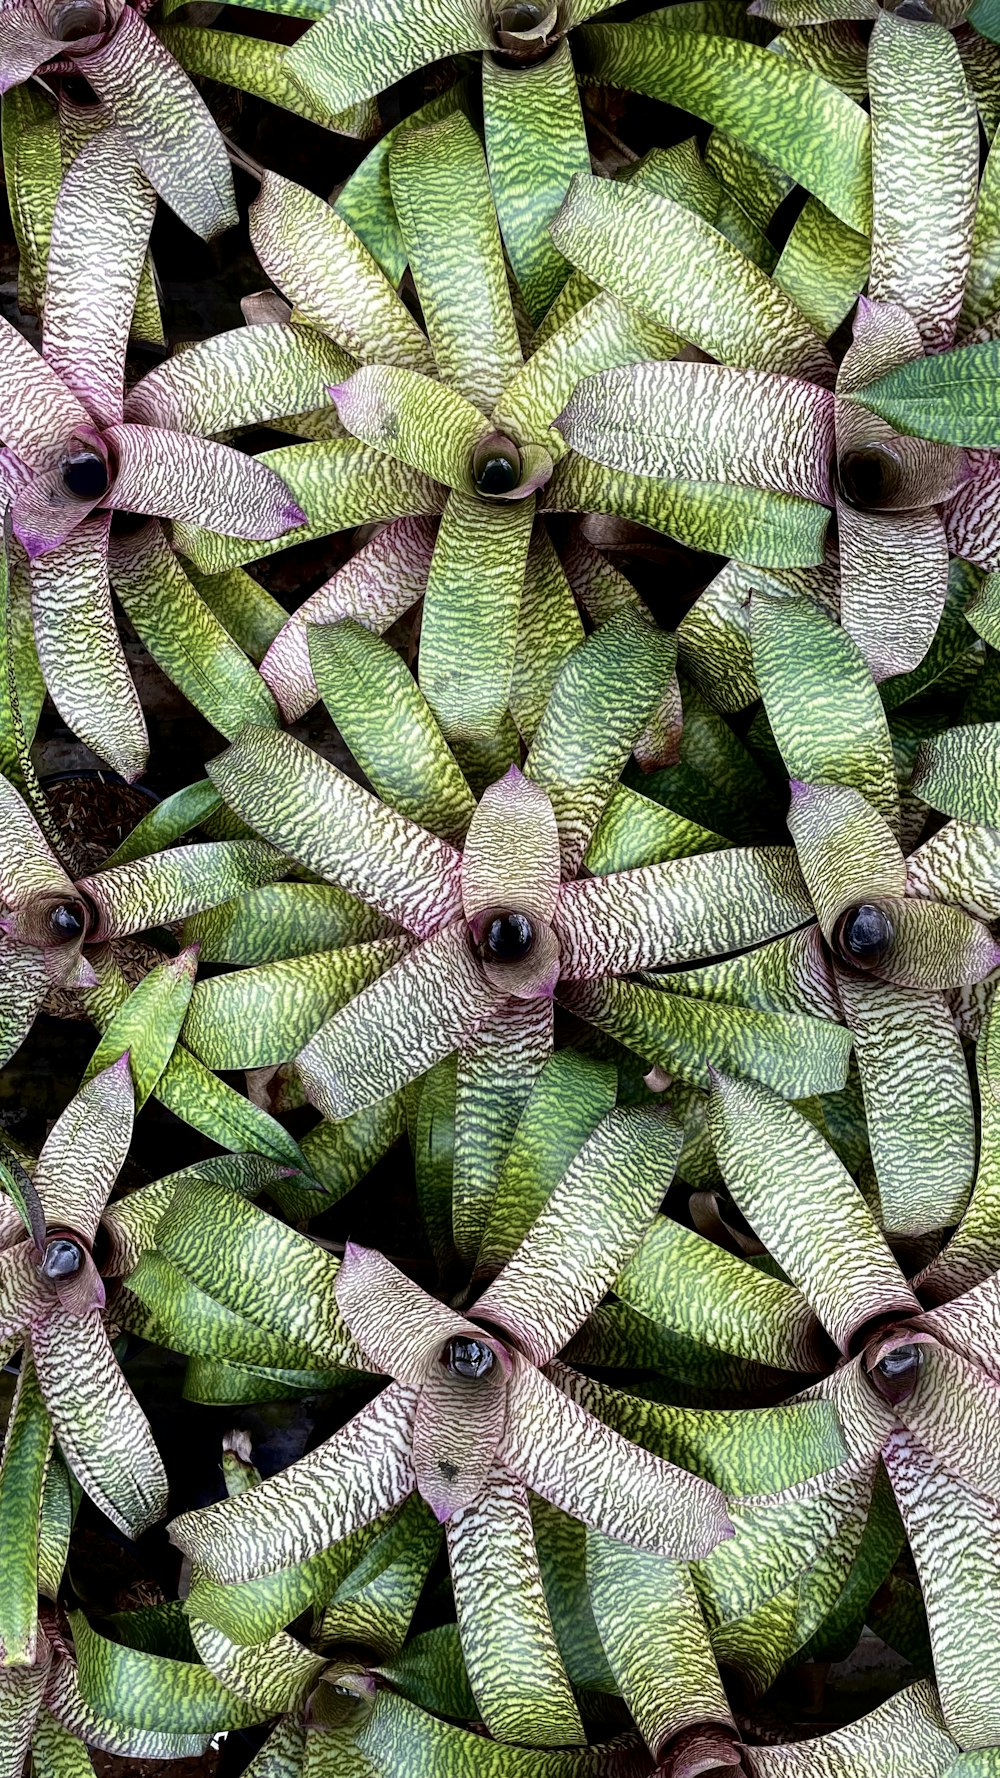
x: 53, y: 1302
x: 72, y: 462
x: 916, y: 1387
x: 893, y: 936
x: 471, y: 1422
x: 52, y: 929
x: 499, y: 614
x: 901, y: 503
x: 496, y: 925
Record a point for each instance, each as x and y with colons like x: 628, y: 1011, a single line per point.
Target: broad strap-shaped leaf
x: 174, y: 475
x: 973, y: 1252
x: 21, y: 1692
x: 608, y: 1196
x: 337, y: 482
x: 184, y: 636
x: 511, y: 855
x: 703, y: 422
x: 355, y: 51
x: 376, y: 586
x: 510, y: 1652
x: 752, y: 524
x: 906, y: 1737
x: 398, y: 1326
x: 822, y: 266
x: 825, y: 714
x: 535, y: 142
x: 954, y: 1535
x: 386, y: 722
x: 549, y: 627
x: 738, y: 1449
x: 952, y: 1411
x: 262, y: 1017
x: 681, y: 1280
x: 102, y: 1431
x: 259, y: 68
x: 847, y: 851
x: 27, y: 1451
x: 590, y: 1471
x: 411, y: 1017
x: 894, y: 569
x: 795, y: 119
x: 571, y: 1095
x: 498, y: 1064
x: 330, y: 277
x: 959, y: 863
x: 85, y: 1151
x: 363, y: 1470
x: 39, y: 410
x: 28, y: 868
x: 787, y: 1181
x: 229, y: 1248
x: 169, y: 885
x: 417, y: 418
x: 655, y: 1637
x: 238, y: 378
x: 280, y: 921
x: 148, y: 1025
x: 925, y: 165
x: 168, y: 821
x: 79, y: 651
x: 398, y: 1735
x: 314, y: 813
x: 599, y: 706
x: 948, y: 396
x: 146, y: 1690
x: 441, y: 193
x: 917, y: 1101
x: 93, y: 272
x: 956, y: 772
x: 166, y: 123
x: 795, y: 1054
x: 700, y: 286
x: 678, y: 912
x: 468, y: 634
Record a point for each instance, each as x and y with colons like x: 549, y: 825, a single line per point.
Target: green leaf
x: 957, y: 773
x: 260, y: 68
x: 387, y: 724
x: 808, y: 128
x: 925, y: 169
x: 249, y: 614
x: 283, y: 920
x: 663, y: 259
x: 148, y: 1024
x: 600, y: 704
x: 365, y: 201
x: 26, y: 1452
x: 265, y: 1015
x: 535, y: 143
x: 441, y: 192
x: 168, y: 821
x: 188, y: 1089
x: 953, y: 397
x: 822, y: 266
x: 184, y: 637
x: 753, y: 524
x: 339, y: 483
x: 33, y: 169
x: 146, y: 1691
x: 825, y: 712
x: 566, y: 1103
x: 468, y: 633
x: 793, y: 1054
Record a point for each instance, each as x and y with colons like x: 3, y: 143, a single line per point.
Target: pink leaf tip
x: 121, y: 1067
x: 293, y: 514
x: 796, y: 788
x: 336, y: 392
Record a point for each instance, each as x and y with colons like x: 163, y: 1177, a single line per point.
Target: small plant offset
x: 500, y: 889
